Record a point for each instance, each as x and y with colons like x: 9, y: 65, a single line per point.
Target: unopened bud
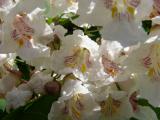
x: 52, y: 87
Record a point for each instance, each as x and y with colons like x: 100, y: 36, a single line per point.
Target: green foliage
x: 68, y: 16
x: 93, y: 32
x: 65, y: 20
x: 147, y: 25
x: 2, y: 114
x: 24, y: 68
x: 132, y: 118
x: 2, y: 104
x: 36, y: 110
x: 144, y: 102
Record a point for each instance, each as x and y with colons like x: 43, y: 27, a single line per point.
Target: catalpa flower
x: 112, y: 56
x: 38, y: 81
x: 57, y: 7
x: 73, y: 104
x: 75, y: 55
x: 145, y: 56
x: 75, y: 108
x: 123, y: 18
x: 146, y: 73
x: 17, y: 97
x: 21, y: 28
x: 141, y: 112
x: 120, y: 10
x: 114, y: 105
x: 6, y: 5
x: 7, y: 83
x: 110, y: 51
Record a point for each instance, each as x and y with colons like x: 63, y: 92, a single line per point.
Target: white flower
x: 145, y: 113
x: 76, y: 53
x: 21, y: 29
x: 148, y: 89
x: 79, y: 107
x: 57, y: 7
x: 115, y: 106
x: 121, y: 20
x: 6, y: 5
x: 37, y: 82
x: 145, y: 57
x: 72, y: 87
x: 3, y: 58
x: 141, y: 112
x: 112, y: 54
x: 143, y: 64
x: 73, y: 104
x: 17, y: 97
x: 93, y: 12
x: 7, y: 83
x: 127, y: 33
x: 126, y: 10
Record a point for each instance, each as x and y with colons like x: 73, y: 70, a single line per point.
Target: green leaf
x: 68, y: 25
x: 24, y: 68
x: 2, y: 114
x: 144, y: 102
x: 93, y: 32
x: 66, y: 16
x: 49, y: 20
x: 147, y: 25
x: 132, y: 118
x: 65, y: 20
x: 2, y: 104
x: 36, y: 110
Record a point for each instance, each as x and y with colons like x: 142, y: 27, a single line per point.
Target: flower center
x: 110, y: 106
x: 80, y: 59
x: 71, y: 1
x: 122, y: 8
x: 152, y: 61
x: 110, y: 67
x: 22, y: 32
x: 76, y: 106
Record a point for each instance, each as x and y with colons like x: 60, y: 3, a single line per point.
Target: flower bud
x: 52, y: 87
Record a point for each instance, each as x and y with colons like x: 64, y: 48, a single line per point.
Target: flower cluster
x: 94, y: 56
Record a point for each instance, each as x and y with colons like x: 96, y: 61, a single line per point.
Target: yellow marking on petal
x: 131, y: 10
x: 83, y: 68
x: 158, y: 65
x: 112, y: 72
x: 114, y: 10
x: 79, y: 59
x: 71, y: 2
x: 75, y: 108
x: 151, y: 72
x: 20, y: 42
x: 69, y: 77
x: 76, y: 112
x: 110, y: 106
x: 71, y: 65
x: 125, y: 2
x: 154, y: 55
